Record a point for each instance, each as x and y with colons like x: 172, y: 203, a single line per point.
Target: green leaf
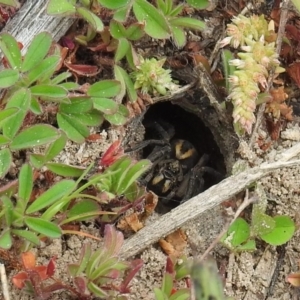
x: 176, y: 10
x: 122, y: 49
x: 37, y: 160
x: 8, y: 77
x: 121, y: 14
x: 181, y: 294
x: 33, y: 136
x: 35, y: 106
x: 96, y: 290
x: 92, y: 118
x: 7, y: 113
x: 11, y: 51
x: 207, y: 281
x: 178, y: 34
x: 91, y: 18
x: 74, y: 129
x: 282, y: 233
x: 199, y: 4
x: 37, y: 50
x: 120, y: 117
x: 59, y: 7
x: 4, y: 140
x: 106, y: 105
x: 27, y: 235
x: 43, y: 227
x: 104, y: 89
x: 65, y: 170
x: 116, y: 4
x: 61, y: 77
x: 167, y: 284
x: 250, y: 245
x: 132, y: 175
x: 155, y: 23
x: 43, y: 70
x: 49, y: 91
x: 5, y: 161
x: 8, y: 209
x: 54, y: 148
x: 83, y: 207
x: 135, y: 31
x: 237, y: 233
x: 77, y: 269
x: 228, y: 68
x: 262, y: 223
x: 25, y: 185
x: 21, y: 100
x: 188, y: 22
x: 13, y: 3
x: 117, y: 29
x: 159, y: 295
x: 52, y: 195
x: 126, y: 84
x: 5, y: 239
x: 70, y: 86
x: 77, y: 105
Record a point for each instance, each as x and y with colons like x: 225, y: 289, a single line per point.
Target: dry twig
x: 194, y: 207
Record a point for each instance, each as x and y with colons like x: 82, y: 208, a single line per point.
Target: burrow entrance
x: 188, y: 127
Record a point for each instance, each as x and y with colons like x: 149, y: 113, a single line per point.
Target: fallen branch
x: 194, y: 207
x: 32, y: 19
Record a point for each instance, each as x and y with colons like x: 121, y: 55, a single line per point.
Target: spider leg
x: 196, y: 182
x: 166, y: 133
x: 195, y: 178
x: 146, y: 143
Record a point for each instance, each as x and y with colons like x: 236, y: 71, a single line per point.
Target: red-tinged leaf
x: 170, y: 266
x: 80, y: 282
x: 19, y: 280
x: 114, y: 152
x: 294, y: 71
x: 292, y: 32
x: 67, y: 42
x: 51, y: 267
x: 134, y: 267
x: 113, y: 239
x: 42, y: 271
x: 28, y: 260
x: 294, y: 279
x: 83, y: 70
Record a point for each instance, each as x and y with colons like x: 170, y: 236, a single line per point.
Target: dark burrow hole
x: 187, y: 127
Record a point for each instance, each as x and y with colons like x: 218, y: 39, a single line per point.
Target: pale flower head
x: 225, y: 41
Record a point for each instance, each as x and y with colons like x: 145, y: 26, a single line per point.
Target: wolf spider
x: 177, y: 172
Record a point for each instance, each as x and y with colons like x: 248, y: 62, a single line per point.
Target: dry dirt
x: 248, y: 274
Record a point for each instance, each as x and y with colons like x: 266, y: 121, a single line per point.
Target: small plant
x: 152, y: 78
x: 29, y: 82
x: 168, y: 289
x: 273, y: 230
x: 51, y: 210
x: 207, y: 283
x: 159, y: 22
x: 256, y: 39
x: 95, y: 275
x: 13, y: 3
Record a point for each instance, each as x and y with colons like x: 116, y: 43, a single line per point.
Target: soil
x: 256, y: 275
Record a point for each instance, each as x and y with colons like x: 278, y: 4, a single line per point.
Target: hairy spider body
x: 169, y: 173
x: 177, y: 170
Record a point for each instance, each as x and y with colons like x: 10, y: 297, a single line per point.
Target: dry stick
x: 4, y: 282
x: 197, y: 205
x: 32, y: 19
x: 280, y: 34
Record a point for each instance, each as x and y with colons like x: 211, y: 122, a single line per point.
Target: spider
x: 177, y: 171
